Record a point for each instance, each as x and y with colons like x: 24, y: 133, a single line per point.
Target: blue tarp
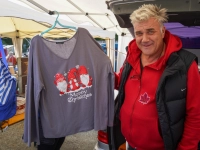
x: 3, y: 54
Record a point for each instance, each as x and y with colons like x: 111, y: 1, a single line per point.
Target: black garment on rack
x: 49, y: 143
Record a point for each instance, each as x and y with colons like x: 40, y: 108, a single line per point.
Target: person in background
x: 161, y: 108
x: 11, y: 59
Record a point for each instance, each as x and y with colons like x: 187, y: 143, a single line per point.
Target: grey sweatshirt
x: 70, y: 87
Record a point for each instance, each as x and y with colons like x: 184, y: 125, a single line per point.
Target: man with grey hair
x: 160, y: 106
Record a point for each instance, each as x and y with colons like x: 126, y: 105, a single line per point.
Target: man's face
x: 149, y: 36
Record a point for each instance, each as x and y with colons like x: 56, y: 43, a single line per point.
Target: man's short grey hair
x: 147, y: 11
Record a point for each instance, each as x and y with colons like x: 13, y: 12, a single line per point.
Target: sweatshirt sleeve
x: 31, y: 130
x: 191, y: 134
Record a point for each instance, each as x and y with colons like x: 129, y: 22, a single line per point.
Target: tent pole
x: 113, y: 23
x: 19, y: 66
x: 85, y: 13
x: 39, y: 6
x: 110, y: 45
x: 74, y: 13
x: 82, y: 13
x: 46, y: 10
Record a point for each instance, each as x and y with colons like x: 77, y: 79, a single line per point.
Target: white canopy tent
x: 18, y: 22
x: 78, y: 12
x: 14, y: 25
x: 94, y: 12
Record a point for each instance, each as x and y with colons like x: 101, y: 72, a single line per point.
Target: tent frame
x: 71, y: 13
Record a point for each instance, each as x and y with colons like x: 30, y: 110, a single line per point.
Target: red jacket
x: 139, y: 117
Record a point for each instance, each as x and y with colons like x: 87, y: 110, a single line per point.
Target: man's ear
x: 163, y: 31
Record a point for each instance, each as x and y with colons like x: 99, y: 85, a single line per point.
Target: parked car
x: 184, y: 21
x: 102, y: 143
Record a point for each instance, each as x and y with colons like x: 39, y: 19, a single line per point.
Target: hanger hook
x: 57, y: 14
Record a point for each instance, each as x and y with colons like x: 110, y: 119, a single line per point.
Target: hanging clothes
x: 70, y: 87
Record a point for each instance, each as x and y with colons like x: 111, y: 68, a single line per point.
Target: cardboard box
x: 15, y: 75
x: 21, y: 102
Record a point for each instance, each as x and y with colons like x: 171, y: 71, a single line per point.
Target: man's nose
x: 145, y: 38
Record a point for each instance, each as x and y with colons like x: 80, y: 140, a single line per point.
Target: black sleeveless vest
x: 171, y: 97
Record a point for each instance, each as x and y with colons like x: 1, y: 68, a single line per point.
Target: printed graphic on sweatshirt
x: 82, y: 94
x: 75, y: 80
x: 144, y: 98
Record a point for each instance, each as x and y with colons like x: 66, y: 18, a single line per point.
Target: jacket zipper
x: 131, y: 120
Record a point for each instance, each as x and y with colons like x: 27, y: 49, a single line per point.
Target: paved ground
x: 11, y: 140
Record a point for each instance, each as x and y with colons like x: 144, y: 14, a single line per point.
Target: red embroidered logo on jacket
x: 144, y: 99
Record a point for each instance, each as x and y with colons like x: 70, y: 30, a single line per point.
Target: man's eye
x: 151, y: 32
x: 138, y: 34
